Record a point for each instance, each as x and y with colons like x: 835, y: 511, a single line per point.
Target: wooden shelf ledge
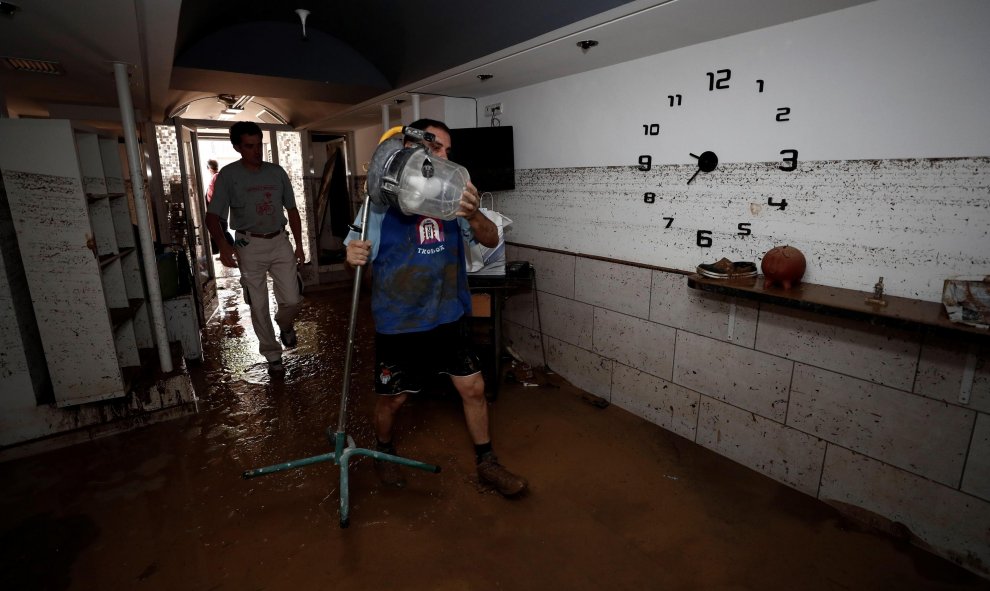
x: 845, y: 303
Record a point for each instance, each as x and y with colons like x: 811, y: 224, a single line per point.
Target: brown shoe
x: 492, y: 473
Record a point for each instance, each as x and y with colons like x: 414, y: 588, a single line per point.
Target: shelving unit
x: 845, y: 303
x: 74, y: 230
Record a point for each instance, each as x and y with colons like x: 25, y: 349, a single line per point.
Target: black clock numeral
x: 782, y: 113
x: 651, y: 129
x: 669, y: 222
x: 649, y: 197
x: 719, y: 83
x: 744, y: 229
x: 705, y: 238
x: 792, y: 159
x: 672, y: 97
x: 760, y: 84
x: 645, y: 162
x: 782, y: 204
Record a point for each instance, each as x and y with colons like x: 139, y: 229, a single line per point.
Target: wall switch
x: 493, y: 110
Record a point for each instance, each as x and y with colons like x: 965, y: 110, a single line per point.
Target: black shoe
x: 389, y: 473
x: 289, y: 338
x: 276, y: 366
x: 726, y: 269
x: 492, y: 473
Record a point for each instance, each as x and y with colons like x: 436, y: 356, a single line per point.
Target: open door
x: 197, y: 240
x: 179, y: 146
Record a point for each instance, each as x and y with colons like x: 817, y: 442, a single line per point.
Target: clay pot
x: 784, y: 265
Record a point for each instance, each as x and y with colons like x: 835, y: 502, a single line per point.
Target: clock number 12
x: 719, y: 83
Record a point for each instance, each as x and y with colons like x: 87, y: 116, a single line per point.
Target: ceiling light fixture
x: 8, y: 9
x: 484, y: 77
x: 265, y: 114
x: 303, y: 13
x: 587, y: 44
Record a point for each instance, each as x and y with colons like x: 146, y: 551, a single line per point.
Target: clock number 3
x: 790, y: 160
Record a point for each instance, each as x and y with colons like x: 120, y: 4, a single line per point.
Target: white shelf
x: 73, y: 227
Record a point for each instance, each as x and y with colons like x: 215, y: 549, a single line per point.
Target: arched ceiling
x: 356, y: 55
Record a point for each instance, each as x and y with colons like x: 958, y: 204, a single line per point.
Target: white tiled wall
x: 852, y: 413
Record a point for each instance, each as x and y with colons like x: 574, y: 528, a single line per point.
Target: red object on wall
x: 784, y: 265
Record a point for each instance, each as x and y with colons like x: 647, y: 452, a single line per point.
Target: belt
x: 269, y: 235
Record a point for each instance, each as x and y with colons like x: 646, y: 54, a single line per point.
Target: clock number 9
x: 719, y: 83
x: 792, y: 160
x: 705, y: 238
x: 645, y: 162
x: 651, y: 129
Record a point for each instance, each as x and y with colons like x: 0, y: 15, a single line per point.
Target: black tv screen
x: 486, y: 152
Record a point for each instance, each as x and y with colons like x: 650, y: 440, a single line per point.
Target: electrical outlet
x: 493, y: 110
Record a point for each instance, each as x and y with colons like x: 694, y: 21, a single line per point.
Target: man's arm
x: 228, y: 256
x: 484, y: 229
x: 295, y: 224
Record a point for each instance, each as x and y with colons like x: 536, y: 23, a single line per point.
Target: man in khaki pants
x: 260, y: 201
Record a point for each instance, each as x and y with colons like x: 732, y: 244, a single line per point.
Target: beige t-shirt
x: 255, y: 199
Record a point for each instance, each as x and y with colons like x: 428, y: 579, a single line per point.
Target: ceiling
x: 355, y: 56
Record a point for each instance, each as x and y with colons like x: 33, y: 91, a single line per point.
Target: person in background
x: 214, y: 169
x: 419, y: 300
x: 258, y: 197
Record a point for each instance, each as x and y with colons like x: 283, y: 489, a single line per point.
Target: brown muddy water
x: 615, y: 502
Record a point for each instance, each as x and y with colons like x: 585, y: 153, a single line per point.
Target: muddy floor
x: 615, y: 502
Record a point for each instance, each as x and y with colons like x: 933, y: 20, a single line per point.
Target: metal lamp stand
x: 341, y: 453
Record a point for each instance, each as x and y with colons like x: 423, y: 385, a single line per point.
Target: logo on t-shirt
x: 430, y: 233
x: 266, y: 207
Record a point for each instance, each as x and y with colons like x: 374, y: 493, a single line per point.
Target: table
x: 488, y: 295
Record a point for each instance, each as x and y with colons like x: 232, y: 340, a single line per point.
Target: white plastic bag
x: 485, y: 260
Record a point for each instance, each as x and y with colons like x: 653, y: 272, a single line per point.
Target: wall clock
x: 726, y: 90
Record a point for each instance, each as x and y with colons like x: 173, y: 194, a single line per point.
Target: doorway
x: 184, y: 149
x: 332, y: 205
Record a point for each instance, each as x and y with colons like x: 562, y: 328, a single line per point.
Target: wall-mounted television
x: 487, y: 154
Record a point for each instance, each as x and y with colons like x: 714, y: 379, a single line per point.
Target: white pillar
x: 384, y: 118
x: 415, y: 99
x: 143, y: 219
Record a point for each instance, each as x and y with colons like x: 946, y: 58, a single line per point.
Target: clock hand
x: 706, y: 163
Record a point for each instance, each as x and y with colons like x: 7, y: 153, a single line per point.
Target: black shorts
x: 403, y: 362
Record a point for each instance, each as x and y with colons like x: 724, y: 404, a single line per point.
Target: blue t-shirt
x: 420, y: 279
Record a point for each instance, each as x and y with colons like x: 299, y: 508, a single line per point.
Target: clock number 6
x: 792, y: 159
x: 705, y: 238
